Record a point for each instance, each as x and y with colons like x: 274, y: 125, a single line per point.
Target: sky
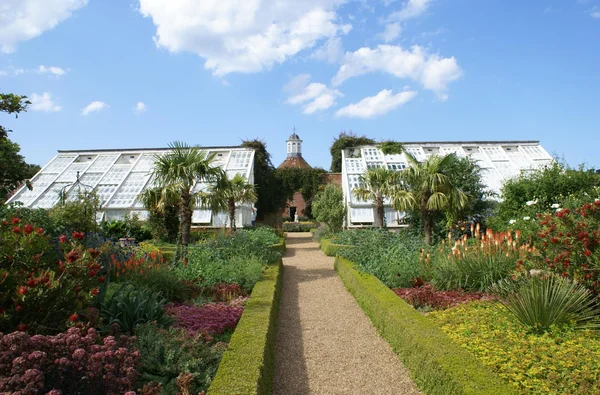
x: 137, y: 74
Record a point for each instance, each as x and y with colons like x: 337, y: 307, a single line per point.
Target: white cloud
x: 43, y: 103
x: 371, y: 106
x: 22, y: 20
x: 331, y: 52
x: 242, y: 36
x: 595, y: 12
x: 410, y: 9
x: 312, y: 96
x: 51, y: 70
x: 94, y: 107
x: 431, y: 70
x: 140, y: 107
x: 392, y: 31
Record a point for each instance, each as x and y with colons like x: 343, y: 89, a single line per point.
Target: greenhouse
x: 499, y: 161
x: 119, y: 176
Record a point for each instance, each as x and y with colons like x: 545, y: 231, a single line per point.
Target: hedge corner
x: 248, y: 364
x: 436, y: 363
x: 331, y: 249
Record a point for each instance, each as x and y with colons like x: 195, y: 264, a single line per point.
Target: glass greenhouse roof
x: 499, y: 161
x: 118, y: 177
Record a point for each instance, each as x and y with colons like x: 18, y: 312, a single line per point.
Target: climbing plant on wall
x: 343, y: 141
x: 304, y: 180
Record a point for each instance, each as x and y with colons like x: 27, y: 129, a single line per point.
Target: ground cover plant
x: 426, y: 297
x: 391, y: 257
x: 208, y: 319
x: 561, y: 361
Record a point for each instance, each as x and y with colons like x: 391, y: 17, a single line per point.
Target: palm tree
x: 163, y: 208
x: 428, y: 187
x: 226, y: 193
x: 177, y: 172
x: 377, y: 184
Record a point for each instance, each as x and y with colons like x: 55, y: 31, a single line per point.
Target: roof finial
x: 294, y: 129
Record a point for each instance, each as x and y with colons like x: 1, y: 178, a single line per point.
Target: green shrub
x: 162, y: 280
x: 328, y: 207
x: 78, y: 215
x: 436, y: 364
x: 299, y: 226
x: 331, y: 249
x: 131, y: 226
x: 129, y: 307
x: 541, y: 303
x: 557, y: 362
x: 249, y: 362
x: 391, y: 257
x: 38, y: 216
x: 167, y: 354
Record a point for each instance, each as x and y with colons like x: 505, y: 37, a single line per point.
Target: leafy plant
x: 541, y: 302
x: 129, y: 307
x: 475, y: 264
x: 377, y: 185
x: 131, y: 226
x: 328, y: 207
x: 77, y: 215
x: 76, y: 362
x: 226, y: 193
x: 169, y: 354
x: 342, y: 141
x: 209, y: 319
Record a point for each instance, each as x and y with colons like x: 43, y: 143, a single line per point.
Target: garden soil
x: 325, y: 343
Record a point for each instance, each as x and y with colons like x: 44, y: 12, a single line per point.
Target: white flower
x: 555, y: 205
x: 596, y: 200
x: 558, y: 210
x: 512, y: 221
x: 526, y: 218
x: 531, y: 202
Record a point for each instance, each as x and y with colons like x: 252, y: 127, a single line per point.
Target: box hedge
x: 331, y: 249
x: 248, y: 364
x: 437, y: 365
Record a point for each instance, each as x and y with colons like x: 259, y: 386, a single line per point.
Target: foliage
x: 209, y: 319
x: 391, y: 257
x: 322, y: 232
x: 430, y: 187
x: 542, y: 302
x: 343, y: 141
x: 569, y: 244
x: 13, y: 168
x: 176, y: 173
x: 12, y: 104
x: 377, y: 185
x: 38, y: 216
x: 151, y: 272
x: 171, y: 354
x: 129, y: 307
x: 248, y: 364
x: 331, y: 249
x: 131, y: 226
x: 163, y: 217
x: 305, y: 226
x: 77, y: 215
x: 225, y: 194
x: 391, y: 147
x: 557, y: 362
x: 426, y: 297
x: 437, y: 365
x: 271, y: 198
x: 475, y: 264
x: 307, y: 181
x: 328, y: 207
x: 75, y: 362
x: 42, y: 284
x: 550, y: 185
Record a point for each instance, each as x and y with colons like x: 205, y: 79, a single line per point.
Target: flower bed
x: 559, y: 362
x: 428, y: 298
x: 208, y: 319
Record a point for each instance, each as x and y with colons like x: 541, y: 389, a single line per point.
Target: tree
x: 226, y: 193
x: 177, y: 172
x: 377, y: 184
x: 429, y: 187
x: 328, y: 207
x: 12, y: 104
x: 343, y: 141
x: 163, y: 212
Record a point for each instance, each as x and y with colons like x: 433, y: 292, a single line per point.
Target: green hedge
x: 331, y: 249
x: 299, y: 226
x: 279, y: 246
x: 248, y: 364
x: 437, y: 365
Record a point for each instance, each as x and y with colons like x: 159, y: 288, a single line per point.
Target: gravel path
x: 325, y: 343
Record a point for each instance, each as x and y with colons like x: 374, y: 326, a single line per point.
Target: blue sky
x: 214, y: 72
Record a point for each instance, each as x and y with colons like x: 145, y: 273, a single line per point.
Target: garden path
x: 325, y: 343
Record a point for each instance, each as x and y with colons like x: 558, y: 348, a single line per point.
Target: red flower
x: 17, y: 230
x: 18, y: 307
x: 564, y: 274
x: 101, y: 279
x: 597, y: 203
x: 72, y: 256
x: 63, y: 239
x: 95, y: 291
x: 22, y: 290
x: 587, y: 252
x: 78, y: 235
x: 22, y: 327
x: 15, y: 220
x: 31, y: 282
x: 94, y: 252
x: 73, y: 317
x: 4, y: 223
x: 39, y: 231
x: 28, y: 229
